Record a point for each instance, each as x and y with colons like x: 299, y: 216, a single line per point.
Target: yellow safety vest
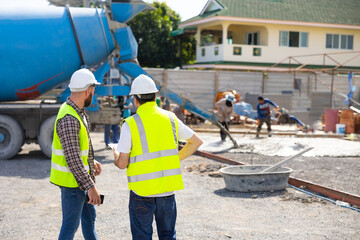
x: 60, y: 174
x: 154, y: 165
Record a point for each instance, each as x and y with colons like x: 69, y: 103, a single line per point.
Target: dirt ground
x: 30, y: 205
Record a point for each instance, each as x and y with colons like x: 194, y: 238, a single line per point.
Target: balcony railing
x: 210, y: 53
x: 229, y: 52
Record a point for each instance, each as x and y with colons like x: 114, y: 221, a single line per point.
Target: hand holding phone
x: 101, y: 197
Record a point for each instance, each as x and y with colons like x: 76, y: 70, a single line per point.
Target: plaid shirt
x: 68, y: 129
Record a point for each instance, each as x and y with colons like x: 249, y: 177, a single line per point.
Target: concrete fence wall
x: 293, y: 91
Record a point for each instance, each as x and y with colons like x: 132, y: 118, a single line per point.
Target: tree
x: 152, y: 29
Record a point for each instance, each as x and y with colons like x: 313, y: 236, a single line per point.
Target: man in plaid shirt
x: 73, y: 167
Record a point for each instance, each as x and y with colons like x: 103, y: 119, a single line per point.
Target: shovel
x: 269, y: 169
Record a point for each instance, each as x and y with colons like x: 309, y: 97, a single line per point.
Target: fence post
x: 263, y: 82
x: 332, y: 88
x: 216, y: 85
x: 165, y: 77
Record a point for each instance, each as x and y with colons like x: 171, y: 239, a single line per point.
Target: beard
x: 88, y: 100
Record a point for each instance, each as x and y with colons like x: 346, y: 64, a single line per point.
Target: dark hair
x: 144, y: 98
x: 260, y: 98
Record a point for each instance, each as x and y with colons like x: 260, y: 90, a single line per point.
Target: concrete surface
x: 30, y: 205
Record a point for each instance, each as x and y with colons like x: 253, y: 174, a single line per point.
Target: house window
x: 237, y: 51
x: 337, y: 41
x: 303, y: 39
x: 216, y: 51
x: 253, y: 38
x: 203, y: 52
x: 293, y: 39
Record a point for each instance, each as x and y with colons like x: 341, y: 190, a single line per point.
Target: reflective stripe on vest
x: 65, y: 169
x: 60, y: 152
x: 153, y: 175
x: 140, y: 126
x: 153, y: 155
x: 174, y: 129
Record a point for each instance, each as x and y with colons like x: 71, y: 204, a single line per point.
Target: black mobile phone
x: 101, y: 197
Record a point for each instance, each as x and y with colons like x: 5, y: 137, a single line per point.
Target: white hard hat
x: 143, y: 85
x: 230, y: 97
x: 81, y: 80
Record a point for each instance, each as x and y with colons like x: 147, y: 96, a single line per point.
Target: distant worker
x: 158, y: 102
x: 108, y: 128
x: 127, y: 107
x: 282, y: 116
x: 263, y: 111
x: 179, y: 112
x: 133, y: 107
x: 164, y: 103
x: 302, y: 126
x: 73, y: 167
x: 225, y: 109
x: 148, y: 148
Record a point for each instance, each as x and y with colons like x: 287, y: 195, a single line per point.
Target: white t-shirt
x: 124, y: 145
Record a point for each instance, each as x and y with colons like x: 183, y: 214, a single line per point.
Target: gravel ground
x: 338, y: 169
x: 338, y: 173
x: 31, y: 206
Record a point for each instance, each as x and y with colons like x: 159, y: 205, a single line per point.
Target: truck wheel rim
x: 4, y: 137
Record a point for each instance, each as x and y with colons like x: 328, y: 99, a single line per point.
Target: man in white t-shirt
x: 148, y: 148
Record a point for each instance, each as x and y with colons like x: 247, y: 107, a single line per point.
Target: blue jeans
x: 142, y: 211
x: 115, y: 132
x: 74, y: 208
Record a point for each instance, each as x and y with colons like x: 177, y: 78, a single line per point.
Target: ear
x: 137, y: 104
x: 88, y: 91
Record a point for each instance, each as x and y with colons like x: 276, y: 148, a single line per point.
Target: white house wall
x: 273, y: 53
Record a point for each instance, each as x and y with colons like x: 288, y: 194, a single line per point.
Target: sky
x: 185, y: 8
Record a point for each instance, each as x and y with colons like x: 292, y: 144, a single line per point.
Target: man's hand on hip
x: 94, y: 196
x: 98, y: 168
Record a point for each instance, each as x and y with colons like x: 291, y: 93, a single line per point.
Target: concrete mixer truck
x: 41, y: 48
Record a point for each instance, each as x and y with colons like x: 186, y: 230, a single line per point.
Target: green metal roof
x: 182, y: 31
x: 319, y: 11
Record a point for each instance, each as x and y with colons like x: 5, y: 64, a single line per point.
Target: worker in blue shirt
x: 263, y: 114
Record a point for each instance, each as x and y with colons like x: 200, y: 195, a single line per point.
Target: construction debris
x: 301, y: 197
x: 212, y: 169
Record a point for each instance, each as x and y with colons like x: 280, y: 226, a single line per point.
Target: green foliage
x: 188, y: 49
x: 152, y: 30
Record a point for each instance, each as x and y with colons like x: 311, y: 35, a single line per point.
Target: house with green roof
x: 269, y: 34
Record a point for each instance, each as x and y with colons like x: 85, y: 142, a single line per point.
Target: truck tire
x: 46, y: 134
x: 11, y: 137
